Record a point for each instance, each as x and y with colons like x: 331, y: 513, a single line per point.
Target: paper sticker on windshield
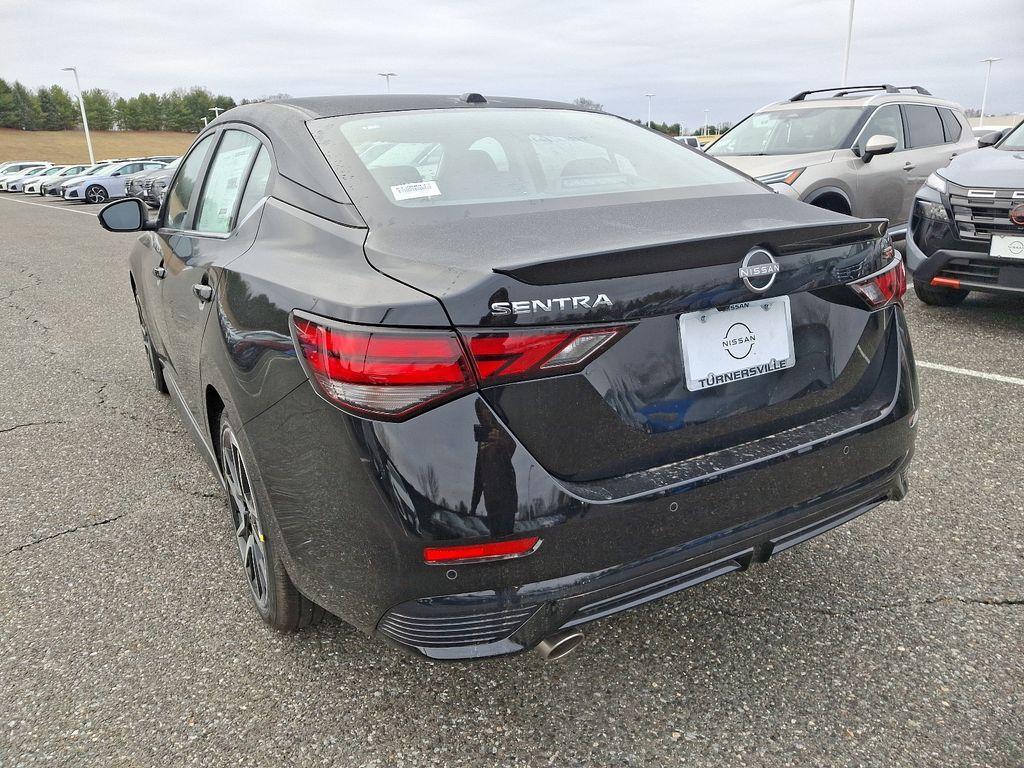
x: 414, y: 190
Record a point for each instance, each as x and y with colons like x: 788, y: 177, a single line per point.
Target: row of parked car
x: 142, y: 177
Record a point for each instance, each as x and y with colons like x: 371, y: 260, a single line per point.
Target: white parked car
x: 13, y: 166
x: 53, y: 187
x: 34, y: 185
x: 14, y: 181
x: 105, y: 184
x: 16, y: 169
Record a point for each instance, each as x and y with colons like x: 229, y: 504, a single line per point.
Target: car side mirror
x: 126, y: 215
x: 990, y: 138
x: 879, y: 144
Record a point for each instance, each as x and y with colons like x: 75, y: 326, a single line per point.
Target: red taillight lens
x: 380, y: 372
x: 478, y: 553
x: 884, y: 287
x: 500, y: 356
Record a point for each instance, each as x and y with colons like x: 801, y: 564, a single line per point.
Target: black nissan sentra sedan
x: 476, y: 371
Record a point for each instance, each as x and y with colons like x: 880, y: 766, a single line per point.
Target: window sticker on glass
x: 415, y: 190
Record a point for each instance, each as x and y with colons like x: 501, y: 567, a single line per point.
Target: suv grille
x: 980, y: 213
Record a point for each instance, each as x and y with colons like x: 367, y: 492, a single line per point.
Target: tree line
x: 54, y: 109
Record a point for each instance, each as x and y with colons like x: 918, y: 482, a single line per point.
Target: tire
x: 938, y: 297
x: 155, y: 367
x: 273, y: 594
x: 96, y: 194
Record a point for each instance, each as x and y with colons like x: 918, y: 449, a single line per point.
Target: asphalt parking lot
x: 126, y: 637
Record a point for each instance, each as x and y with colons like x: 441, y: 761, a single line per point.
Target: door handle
x: 909, y: 166
x: 203, y: 292
x: 159, y: 273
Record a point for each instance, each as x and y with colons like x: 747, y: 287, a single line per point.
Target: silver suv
x: 862, y: 150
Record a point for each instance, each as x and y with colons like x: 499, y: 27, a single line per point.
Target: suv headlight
x: 782, y: 177
x: 936, y: 182
x: 933, y: 211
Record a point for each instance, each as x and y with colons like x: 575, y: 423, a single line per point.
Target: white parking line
x: 51, y: 207
x: 969, y: 372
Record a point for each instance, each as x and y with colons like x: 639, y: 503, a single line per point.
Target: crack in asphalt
x: 82, y: 527
x: 30, y: 424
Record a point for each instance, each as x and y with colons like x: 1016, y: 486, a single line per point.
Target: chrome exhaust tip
x: 559, y: 645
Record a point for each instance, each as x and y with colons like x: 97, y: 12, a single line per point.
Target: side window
x: 925, y: 125
x: 180, y: 195
x: 887, y: 122
x: 256, y: 186
x: 224, y: 181
x: 152, y: 166
x: 950, y: 124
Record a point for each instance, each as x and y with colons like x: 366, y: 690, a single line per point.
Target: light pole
x: 216, y: 111
x: 85, y: 120
x: 707, y: 117
x: 650, y: 98
x: 849, y: 42
x: 387, y: 79
x: 984, y: 96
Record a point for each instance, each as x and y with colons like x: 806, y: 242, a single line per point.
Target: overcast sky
x: 729, y: 56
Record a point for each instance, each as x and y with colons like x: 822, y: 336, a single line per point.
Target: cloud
x: 729, y: 56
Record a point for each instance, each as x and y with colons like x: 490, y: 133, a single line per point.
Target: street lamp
x: 387, y: 79
x: 650, y: 98
x: 849, y: 43
x: 707, y: 116
x: 216, y: 111
x: 81, y: 106
x: 984, y: 96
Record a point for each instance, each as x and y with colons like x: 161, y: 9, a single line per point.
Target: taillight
x: 380, y: 372
x: 516, y: 354
x: 884, y: 287
x: 480, y: 553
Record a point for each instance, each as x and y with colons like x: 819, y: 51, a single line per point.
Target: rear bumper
x: 354, y: 502
x: 497, y: 622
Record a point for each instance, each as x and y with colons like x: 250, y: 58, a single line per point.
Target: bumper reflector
x: 481, y: 553
x: 945, y: 282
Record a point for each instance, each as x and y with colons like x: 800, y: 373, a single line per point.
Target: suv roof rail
x: 918, y: 88
x: 843, y: 90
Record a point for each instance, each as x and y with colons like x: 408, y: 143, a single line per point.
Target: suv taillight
x: 394, y: 373
x: 884, y: 287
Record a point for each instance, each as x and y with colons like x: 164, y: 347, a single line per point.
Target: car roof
x: 334, y: 106
x: 860, y: 96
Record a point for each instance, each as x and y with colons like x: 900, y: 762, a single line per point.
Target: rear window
x: 950, y: 124
x: 463, y: 158
x: 925, y: 125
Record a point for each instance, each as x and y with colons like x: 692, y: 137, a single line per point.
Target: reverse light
x: 513, y: 355
x: 481, y: 553
x: 884, y: 287
x: 782, y: 177
x: 382, y: 373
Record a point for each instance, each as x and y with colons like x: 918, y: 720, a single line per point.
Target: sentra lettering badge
x: 550, y: 305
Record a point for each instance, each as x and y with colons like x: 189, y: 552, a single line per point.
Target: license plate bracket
x: 735, y: 343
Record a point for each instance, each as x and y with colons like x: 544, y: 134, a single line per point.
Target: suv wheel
x: 939, y: 297
x: 277, y: 600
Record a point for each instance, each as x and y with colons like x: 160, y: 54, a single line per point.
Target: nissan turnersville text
x: 477, y: 371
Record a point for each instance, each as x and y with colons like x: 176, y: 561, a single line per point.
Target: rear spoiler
x: 693, y: 253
